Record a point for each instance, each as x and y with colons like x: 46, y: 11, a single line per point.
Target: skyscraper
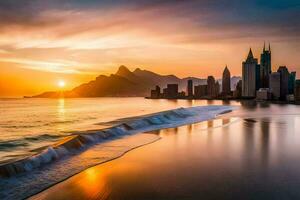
x: 217, y: 89
x: 155, y: 93
x: 265, y: 67
x: 275, y: 84
x: 292, y: 79
x: 190, y: 88
x: 238, y: 90
x: 284, y: 81
x: 200, y: 91
x: 249, y: 76
x: 171, y: 91
x: 211, y: 86
x: 226, y: 82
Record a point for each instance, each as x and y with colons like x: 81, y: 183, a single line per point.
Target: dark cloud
x: 277, y: 17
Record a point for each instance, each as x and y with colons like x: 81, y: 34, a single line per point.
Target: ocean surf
x: 80, y: 150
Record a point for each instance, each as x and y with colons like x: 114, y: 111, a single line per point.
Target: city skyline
x: 40, y: 43
x: 258, y: 82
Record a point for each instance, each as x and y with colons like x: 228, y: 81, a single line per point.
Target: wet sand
x: 219, y: 159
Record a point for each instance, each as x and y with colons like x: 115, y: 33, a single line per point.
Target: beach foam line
x: 80, y: 141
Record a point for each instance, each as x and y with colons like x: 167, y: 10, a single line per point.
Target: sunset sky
x: 43, y: 42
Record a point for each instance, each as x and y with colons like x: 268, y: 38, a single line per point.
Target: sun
x: 61, y: 83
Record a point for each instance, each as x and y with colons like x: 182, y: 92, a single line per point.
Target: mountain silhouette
x: 124, y: 83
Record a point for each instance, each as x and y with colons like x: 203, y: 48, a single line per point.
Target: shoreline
x: 223, y: 158
x: 101, y: 163
x: 175, y: 118
x: 35, y: 196
x: 88, y: 138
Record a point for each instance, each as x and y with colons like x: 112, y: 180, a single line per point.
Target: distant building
x: 165, y: 93
x: 265, y: 67
x: 291, y: 85
x: 210, y: 86
x: 250, y: 76
x: 297, y: 90
x: 200, y: 91
x: 284, y: 81
x: 238, y: 90
x: 181, y: 95
x: 190, y: 89
x: 217, y: 89
x: 274, y: 83
x: 213, y: 87
x: 155, y: 94
x: 226, y: 90
x: 263, y: 94
x: 171, y: 91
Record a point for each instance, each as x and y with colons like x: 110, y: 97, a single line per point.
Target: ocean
x: 29, y: 126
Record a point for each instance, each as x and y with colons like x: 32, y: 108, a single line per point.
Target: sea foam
x: 20, y: 171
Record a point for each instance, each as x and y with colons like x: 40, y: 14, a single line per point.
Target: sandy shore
x: 150, y: 172
x: 229, y: 158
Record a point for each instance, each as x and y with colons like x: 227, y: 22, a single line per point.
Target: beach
x: 72, y: 152
x: 248, y: 154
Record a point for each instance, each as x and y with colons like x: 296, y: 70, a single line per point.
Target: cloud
x: 103, y: 33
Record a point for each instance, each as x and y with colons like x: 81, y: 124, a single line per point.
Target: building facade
x: 155, y: 94
x: 190, y: 88
x: 292, y: 79
x: 263, y: 94
x: 284, y: 81
x: 249, y: 76
x: 210, y: 86
x: 265, y: 67
x: 274, y: 83
x: 171, y: 92
x: 238, y: 90
x: 213, y: 87
x: 200, y: 91
x: 297, y: 91
x: 226, y: 90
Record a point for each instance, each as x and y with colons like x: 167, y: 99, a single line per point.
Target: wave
x: 23, y: 142
x: 79, y: 141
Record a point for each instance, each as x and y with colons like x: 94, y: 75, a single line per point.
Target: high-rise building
x: 250, y: 76
x: 171, y: 92
x: 297, y: 90
x: 265, y: 67
x: 238, y: 90
x: 217, y: 89
x: 211, y: 90
x: 274, y: 83
x: 226, y: 90
x: 155, y: 93
x: 292, y: 79
x: 200, y: 91
x: 284, y: 81
x: 190, y: 88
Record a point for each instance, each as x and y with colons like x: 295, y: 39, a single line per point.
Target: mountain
x: 123, y: 83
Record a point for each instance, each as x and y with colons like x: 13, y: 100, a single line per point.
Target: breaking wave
x: 49, y: 160
x: 82, y: 140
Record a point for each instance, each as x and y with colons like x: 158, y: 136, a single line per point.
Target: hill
x: 124, y: 83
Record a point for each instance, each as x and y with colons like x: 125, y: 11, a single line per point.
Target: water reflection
x: 61, y: 109
x: 254, y: 156
x: 265, y: 139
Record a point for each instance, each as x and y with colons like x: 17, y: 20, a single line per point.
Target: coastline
x: 153, y: 122
x: 98, y: 164
x: 67, y: 189
x: 200, y: 161
x: 42, y: 194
